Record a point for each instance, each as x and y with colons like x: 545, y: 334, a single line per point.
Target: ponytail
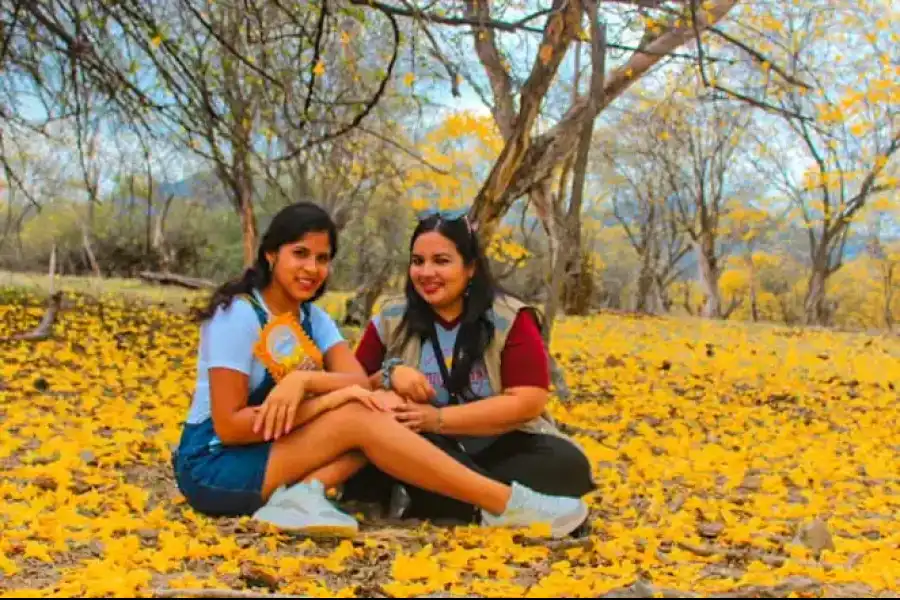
x: 255, y: 277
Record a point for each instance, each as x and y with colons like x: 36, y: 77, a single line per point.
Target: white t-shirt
x: 227, y: 340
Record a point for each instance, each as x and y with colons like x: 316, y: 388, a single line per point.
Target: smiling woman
x: 282, y: 409
x: 471, y: 364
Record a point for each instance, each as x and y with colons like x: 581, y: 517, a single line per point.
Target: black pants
x: 544, y: 463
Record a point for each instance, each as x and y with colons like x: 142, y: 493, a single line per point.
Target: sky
x: 174, y: 164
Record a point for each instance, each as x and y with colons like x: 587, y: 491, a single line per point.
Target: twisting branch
x: 436, y: 53
x: 409, y: 152
x: 370, y: 104
x: 757, y: 55
x: 727, y: 90
x: 317, y: 56
x: 489, y: 55
x: 519, y: 25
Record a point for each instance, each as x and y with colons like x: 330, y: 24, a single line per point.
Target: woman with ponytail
x: 265, y: 437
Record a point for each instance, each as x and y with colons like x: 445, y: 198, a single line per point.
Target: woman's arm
x: 341, y: 370
x: 490, y: 416
x: 494, y: 415
x: 235, y: 422
x: 525, y: 377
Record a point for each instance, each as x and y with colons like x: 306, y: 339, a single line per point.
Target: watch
x: 387, y: 370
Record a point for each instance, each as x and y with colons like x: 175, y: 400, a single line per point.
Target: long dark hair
x: 476, y: 330
x: 288, y: 226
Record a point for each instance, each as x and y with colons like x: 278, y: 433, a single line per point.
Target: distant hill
x: 203, y: 188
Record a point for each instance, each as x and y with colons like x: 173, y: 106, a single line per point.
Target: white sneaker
x: 527, y: 507
x: 304, y: 508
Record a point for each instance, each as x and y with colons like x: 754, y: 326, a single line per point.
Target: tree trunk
x: 159, y: 244
x: 89, y: 251
x: 754, y: 299
x: 709, y: 276
x: 645, y: 298
x: 552, y: 220
x: 576, y: 284
x: 248, y: 219
x: 888, y: 296
x: 359, y: 308
x: 814, y: 303
x: 754, y: 305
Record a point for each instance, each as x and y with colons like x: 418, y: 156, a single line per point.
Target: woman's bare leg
x: 339, y: 471
x: 388, y: 444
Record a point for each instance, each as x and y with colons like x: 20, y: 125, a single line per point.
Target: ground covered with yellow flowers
x: 733, y: 460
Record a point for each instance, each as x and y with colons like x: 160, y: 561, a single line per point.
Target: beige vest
x: 503, y: 315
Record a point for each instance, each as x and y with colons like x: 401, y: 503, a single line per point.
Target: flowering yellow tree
x: 832, y: 148
x: 462, y: 146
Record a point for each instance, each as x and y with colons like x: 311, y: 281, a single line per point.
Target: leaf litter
x: 732, y: 460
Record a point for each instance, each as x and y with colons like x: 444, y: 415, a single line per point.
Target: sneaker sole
x: 322, y: 531
x: 271, y: 518
x: 566, y: 526
x: 318, y: 531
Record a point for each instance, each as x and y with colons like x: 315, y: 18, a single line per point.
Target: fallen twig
x: 587, y: 543
x: 216, y: 593
x: 43, y: 330
x: 773, y: 560
x: 191, y: 283
x: 707, y: 550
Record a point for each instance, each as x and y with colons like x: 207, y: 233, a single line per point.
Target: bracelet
x: 387, y: 370
x: 440, y: 419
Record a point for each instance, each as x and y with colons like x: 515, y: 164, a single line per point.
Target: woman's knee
x: 572, y: 467
x: 548, y: 464
x: 357, y: 420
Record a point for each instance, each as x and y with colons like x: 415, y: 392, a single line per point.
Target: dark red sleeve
x: 370, y: 351
x: 524, y: 359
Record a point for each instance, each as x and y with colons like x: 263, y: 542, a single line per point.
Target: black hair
x: 289, y: 225
x: 476, y: 330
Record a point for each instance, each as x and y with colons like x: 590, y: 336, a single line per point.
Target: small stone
x: 46, y: 483
x: 752, y: 483
x: 816, y: 536
x: 613, y: 361
x: 711, y: 530
x: 80, y: 487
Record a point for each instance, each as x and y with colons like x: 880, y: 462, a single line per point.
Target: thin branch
x: 727, y: 90
x: 758, y: 56
x: 370, y: 105
x: 7, y: 36
x: 216, y: 593
x: 489, y: 55
x: 435, y: 52
x: 412, y: 153
x: 317, y: 53
x: 510, y: 26
x: 230, y: 48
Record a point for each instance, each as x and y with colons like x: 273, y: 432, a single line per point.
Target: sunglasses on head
x: 453, y: 214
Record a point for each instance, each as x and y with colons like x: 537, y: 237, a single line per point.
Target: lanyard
x: 442, y: 365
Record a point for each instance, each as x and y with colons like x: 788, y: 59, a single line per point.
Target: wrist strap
x: 387, y: 369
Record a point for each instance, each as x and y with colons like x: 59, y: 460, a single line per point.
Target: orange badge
x: 283, y: 346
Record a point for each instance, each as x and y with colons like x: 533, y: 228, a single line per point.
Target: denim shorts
x: 219, y: 480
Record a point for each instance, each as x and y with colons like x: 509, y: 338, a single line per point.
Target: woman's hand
x: 377, y: 401
x: 420, y: 417
x: 275, y: 417
x: 390, y: 400
x: 412, y: 384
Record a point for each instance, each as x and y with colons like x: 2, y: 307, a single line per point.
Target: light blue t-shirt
x: 479, y: 384
x: 227, y: 340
